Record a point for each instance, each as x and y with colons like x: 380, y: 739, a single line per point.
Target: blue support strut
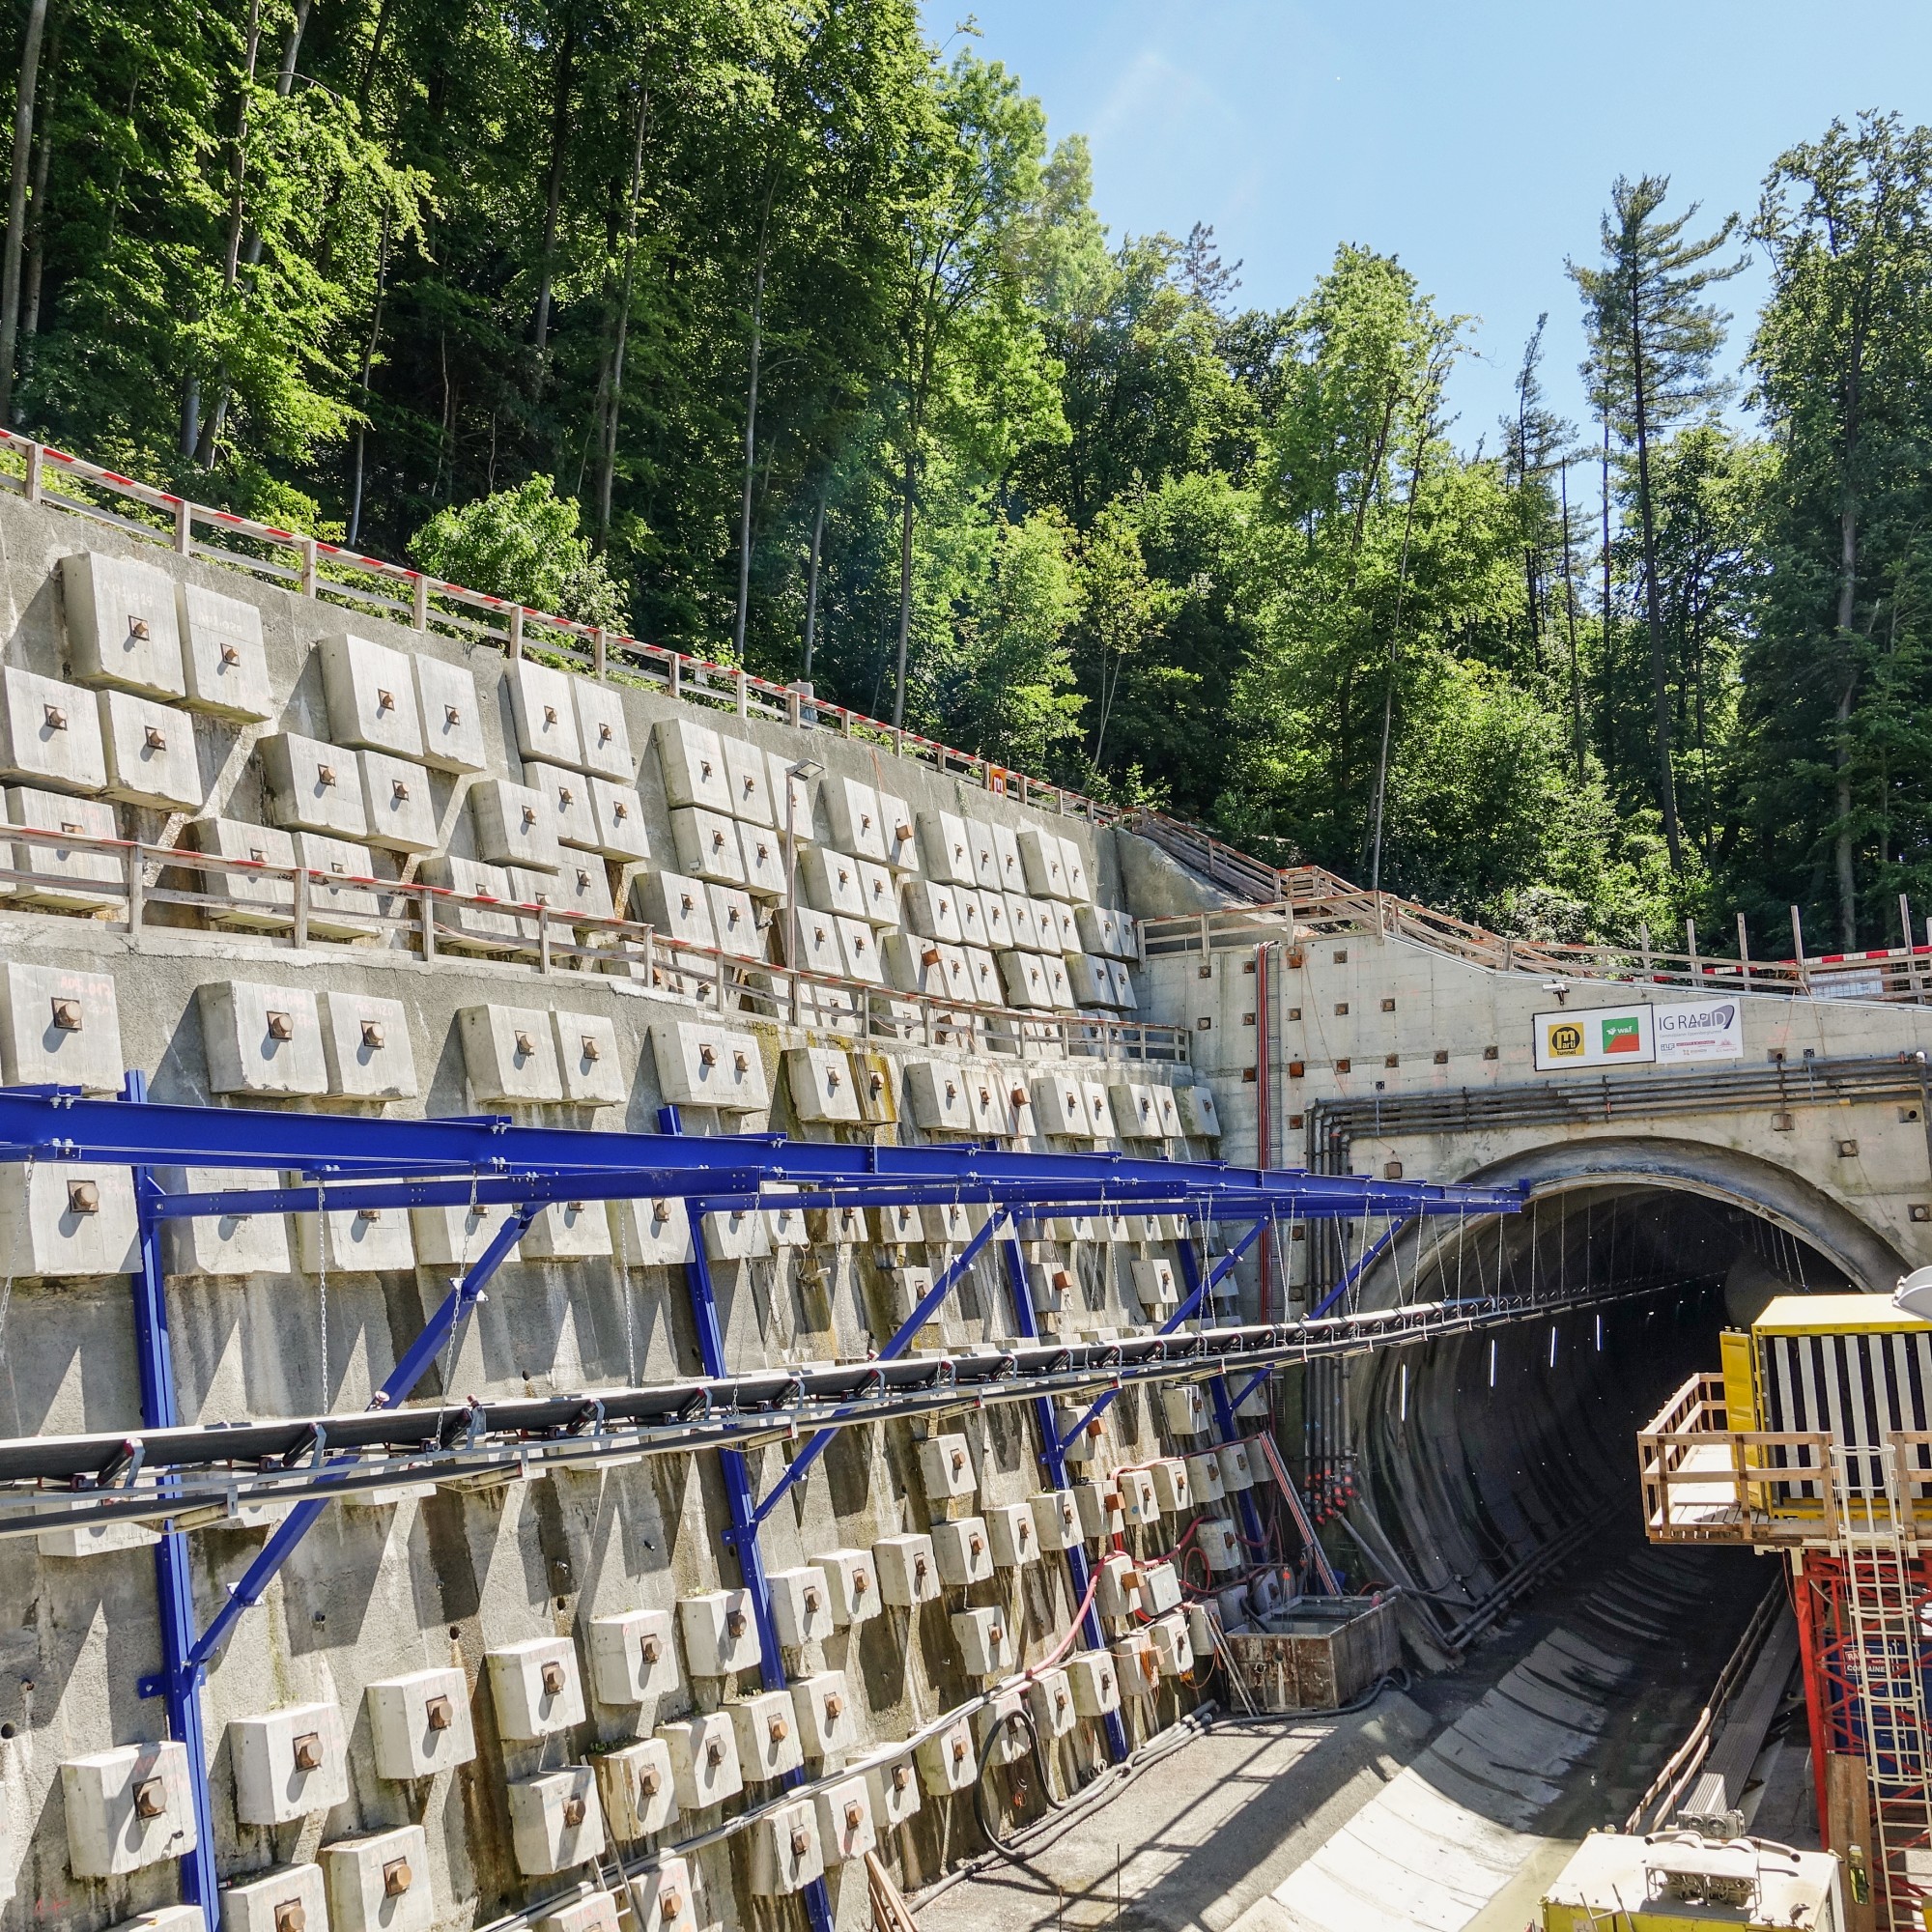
x: 1196, y: 1295
x: 1224, y: 1410
x: 1077, y: 1572
x: 159, y: 1410
x: 456, y: 1306
x: 949, y: 1276
x: 736, y: 1475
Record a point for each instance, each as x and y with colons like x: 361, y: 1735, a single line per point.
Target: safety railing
x: 1705, y: 1482
x: 145, y: 888
x: 395, y: 593
x: 1317, y: 907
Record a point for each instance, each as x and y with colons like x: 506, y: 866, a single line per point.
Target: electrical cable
x: 989, y: 1756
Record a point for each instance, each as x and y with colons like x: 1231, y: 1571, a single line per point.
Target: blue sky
x: 1475, y: 140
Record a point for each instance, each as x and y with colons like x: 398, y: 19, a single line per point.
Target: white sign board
x: 1699, y: 1030
x: 1595, y: 1037
x: 1866, y: 984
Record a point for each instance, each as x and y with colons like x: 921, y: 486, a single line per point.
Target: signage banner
x: 1699, y: 1030
x: 1595, y: 1037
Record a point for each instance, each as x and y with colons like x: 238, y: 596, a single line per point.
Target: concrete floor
x: 1200, y: 1837
x: 1229, y: 1828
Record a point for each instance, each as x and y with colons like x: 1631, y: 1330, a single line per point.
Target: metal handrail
x: 1316, y: 907
x: 336, y: 574
x: 404, y: 912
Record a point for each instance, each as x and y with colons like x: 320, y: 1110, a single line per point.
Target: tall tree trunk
x: 752, y: 421
x: 1569, y: 618
x: 1604, y: 482
x: 905, y: 581
x: 368, y: 366
x: 375, y: 53
x: 36, y: 205
x: 1532, y: 605
x: 203, y: 446
x: 17, y: 201
x: 812, y: 580
x: 605, y: 481
x: 1375, y: 854
x: 560, y: 132
x: 1660, y: 677
x: 1843, y: 850
x: 285, y: 81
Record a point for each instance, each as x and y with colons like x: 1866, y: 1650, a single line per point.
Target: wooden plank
x: 1848, y: 1826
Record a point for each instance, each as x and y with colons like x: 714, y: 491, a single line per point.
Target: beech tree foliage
x: 776, y: 333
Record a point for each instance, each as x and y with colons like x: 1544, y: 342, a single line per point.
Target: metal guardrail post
x: 137, y: 889
x: 299, y: 930
x: 419, y: 602
x: 306, y: 550
x: 30, y: 483
x: 174, y: 1581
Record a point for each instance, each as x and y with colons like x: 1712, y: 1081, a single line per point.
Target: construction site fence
x: 395, y: 593
x: 139, y: 888
x: 1317, y: 907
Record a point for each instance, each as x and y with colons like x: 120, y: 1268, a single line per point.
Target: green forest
x: 782, y: 335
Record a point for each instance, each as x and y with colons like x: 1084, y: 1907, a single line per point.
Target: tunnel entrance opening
x: 1495, y: 1475
x: 1473, y: 1465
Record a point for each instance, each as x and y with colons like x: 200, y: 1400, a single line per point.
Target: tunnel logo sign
x: 1700, y: 1030
x: 1639, y: 1036
x: 1622, y: 1037
x: 1595, y: 1037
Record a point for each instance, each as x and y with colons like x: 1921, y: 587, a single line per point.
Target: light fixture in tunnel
x: 1492, y: 1361
x: 1552, y: 1345
x: 1600, y: 1334
x: 1914, y: 1295
x: 1403, y: 1413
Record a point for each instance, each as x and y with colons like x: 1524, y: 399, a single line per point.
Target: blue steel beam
x: 56, y: 1126
x: 616, y: 1184
x: 949, y: 1276
x: 161, y: 1409
x: 1351, y: 1275
x: 1199, y: 1292
x: 401, y: 1384
x: 1248, y: 1387
x: 1078, y: 1575
x: 736, y: 1474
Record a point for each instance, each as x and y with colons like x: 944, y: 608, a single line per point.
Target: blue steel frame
x: 736, y: 1474
x: 1224, y: 1409
x: 1198, y: 1293
x: 1077, y: 1572
x: 375, y: 1162
x: 173, y: 1579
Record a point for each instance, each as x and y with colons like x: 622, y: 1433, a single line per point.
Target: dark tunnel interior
x: 1478, y: 1461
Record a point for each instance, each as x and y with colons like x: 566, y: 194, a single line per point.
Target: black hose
x: 989, y: 1754
x: 1399, y: 1677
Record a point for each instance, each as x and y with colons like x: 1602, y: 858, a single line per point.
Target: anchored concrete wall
x: 379, y: 1591
x: 1363, y: 1018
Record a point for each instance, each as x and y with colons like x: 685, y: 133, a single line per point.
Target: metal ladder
x: 1887, y: 1636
